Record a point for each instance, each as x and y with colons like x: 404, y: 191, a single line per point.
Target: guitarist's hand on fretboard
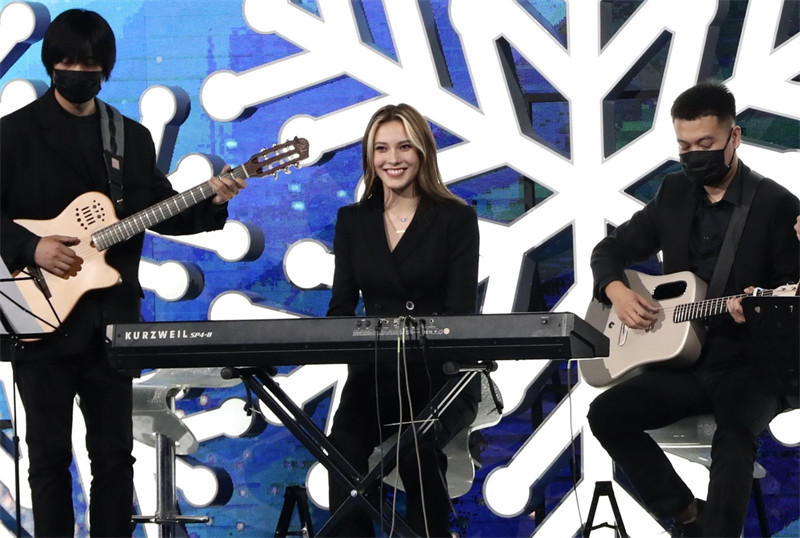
x: 53, y: 254
x: 734, y: 305
x: 226, y: 187
x: 632, y: 309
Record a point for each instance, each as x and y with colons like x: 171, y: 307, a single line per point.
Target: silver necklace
x: 401, y: 219
x: 389, y: 220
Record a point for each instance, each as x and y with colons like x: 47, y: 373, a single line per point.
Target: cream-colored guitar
x: 92, y: 219
x: 675, y: 338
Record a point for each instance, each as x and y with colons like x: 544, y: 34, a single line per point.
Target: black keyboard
x: 276, y: 342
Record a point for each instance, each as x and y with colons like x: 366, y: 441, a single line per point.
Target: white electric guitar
x: 92, y: 219
x: 676, y: 337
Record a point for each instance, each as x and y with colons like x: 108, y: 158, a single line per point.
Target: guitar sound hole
x: 87, y: 216
x: 669, y: 290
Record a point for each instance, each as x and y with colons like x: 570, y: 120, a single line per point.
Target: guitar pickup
x: 623, y: 334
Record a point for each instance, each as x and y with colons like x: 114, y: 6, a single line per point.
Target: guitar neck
x: 147, y: 218
x: 709, y: 307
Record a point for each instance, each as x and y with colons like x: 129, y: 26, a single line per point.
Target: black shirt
x: 710, y: 223
x: 723, y: 344
x: 87, y: 132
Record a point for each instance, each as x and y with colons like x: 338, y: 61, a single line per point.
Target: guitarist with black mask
x: 688, y: 221
x: 52, y: 151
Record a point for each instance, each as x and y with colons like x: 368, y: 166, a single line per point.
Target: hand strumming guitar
x: 632, y: 309
x: 54, y: 255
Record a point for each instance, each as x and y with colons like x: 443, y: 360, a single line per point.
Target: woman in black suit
x: 410, y: 248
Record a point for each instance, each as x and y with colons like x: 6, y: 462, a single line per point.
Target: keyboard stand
x: 364, y: 493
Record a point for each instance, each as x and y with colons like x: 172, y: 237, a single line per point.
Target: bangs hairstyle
x: 705, y: 99
x: 429, y: 180
x: 79, y: 35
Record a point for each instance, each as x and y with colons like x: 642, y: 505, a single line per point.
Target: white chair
x: 690, y: 438
x: 461, y: 463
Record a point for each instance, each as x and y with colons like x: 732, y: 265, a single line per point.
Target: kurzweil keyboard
x: 550, y: 335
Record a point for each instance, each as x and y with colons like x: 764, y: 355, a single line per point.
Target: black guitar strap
x: 732, y: 236
x: 113, y: 133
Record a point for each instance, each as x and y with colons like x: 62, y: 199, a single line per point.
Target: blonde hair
x: 429, y: 180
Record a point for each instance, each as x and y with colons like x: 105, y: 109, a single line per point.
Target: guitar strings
x: 285, y: 154
x: 716, y: 301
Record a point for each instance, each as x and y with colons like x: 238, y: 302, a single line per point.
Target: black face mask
x: 77, y: 86
x: 706, y: 168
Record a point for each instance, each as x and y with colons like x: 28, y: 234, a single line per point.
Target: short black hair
x: 79, y: 35
x: 705, y: 99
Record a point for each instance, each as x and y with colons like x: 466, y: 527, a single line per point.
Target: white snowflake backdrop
x: 567, y: 99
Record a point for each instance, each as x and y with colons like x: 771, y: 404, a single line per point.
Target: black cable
x: 399, y: 421
x: 498, y: 403
x: 413, y: 425
x: 381, y: 492
x: 572, y: 445
x: 422, y: 332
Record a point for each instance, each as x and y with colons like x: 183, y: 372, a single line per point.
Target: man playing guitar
x: 688, y: 221
x: 59, y: 147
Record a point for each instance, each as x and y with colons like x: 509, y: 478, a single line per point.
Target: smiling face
x: 395, y: 158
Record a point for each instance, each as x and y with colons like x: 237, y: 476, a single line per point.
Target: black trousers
x: 658, y: 398
x: 48, y: 389
x: 356, y: 433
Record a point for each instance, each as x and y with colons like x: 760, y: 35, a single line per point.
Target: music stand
x: 16, y: 318
x: 17, y: 322
x: 773, y: 325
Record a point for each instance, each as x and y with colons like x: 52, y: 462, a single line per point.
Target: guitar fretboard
x: 709, y: 307
x: 147, y: 218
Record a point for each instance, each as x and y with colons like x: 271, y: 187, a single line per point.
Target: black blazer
x: 42, y: 169
x: 432, y: 270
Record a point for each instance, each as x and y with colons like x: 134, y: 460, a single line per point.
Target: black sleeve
x: 17, y: 244
x: 634, y: 241
x: 462, y: 265
x: 784, y: 246
x: 344, y: 297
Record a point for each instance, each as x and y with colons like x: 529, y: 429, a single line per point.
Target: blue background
x: 180, y: 42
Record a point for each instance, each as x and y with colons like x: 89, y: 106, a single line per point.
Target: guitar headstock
x: 278, y: 157
x: 786, y: 290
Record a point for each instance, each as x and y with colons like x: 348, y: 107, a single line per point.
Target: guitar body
x: 676, y: 344
x: 86, y: 214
